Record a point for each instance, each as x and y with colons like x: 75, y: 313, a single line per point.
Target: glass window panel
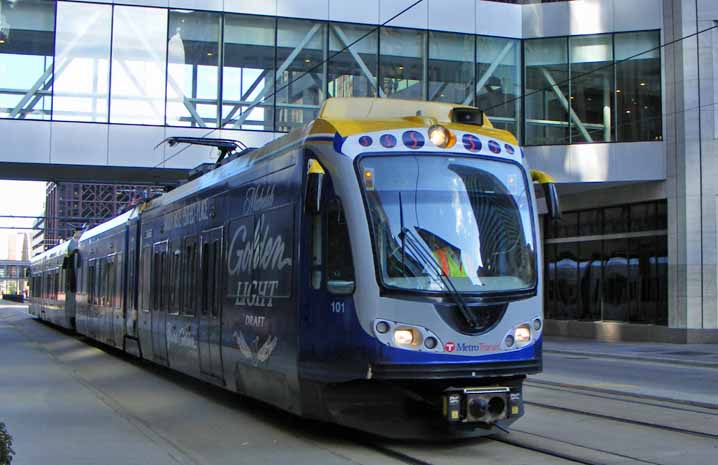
x: 591, y: 88
x: 248, y: 79
x: 139, y: 49
x: 590, y: 222
x: 402, y: 63
x: 550, y: 297
x: 26, y: 57
x: 615, y: 220
x: 638, y: 86
x: 643, y: 217
x: 451, y: 67
x: 567, y: 281
x: 352, y: 72
x: 643, y: 280
x: 498, y: 76
x: 193, y: 68
x: 615, y: 280
x: 547, y: 91
x: 301, y: 48
x: 590, y: 279
x: 661, y: 257
x: 567, y: 226
x: 661, y: 215
x: 82, y: 69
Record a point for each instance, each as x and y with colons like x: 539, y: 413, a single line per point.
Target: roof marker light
x: 441, y: 136
x: 365, y: 141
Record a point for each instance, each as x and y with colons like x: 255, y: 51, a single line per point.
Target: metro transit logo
x: 464, y: 347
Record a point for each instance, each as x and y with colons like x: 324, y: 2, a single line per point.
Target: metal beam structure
x: 280, y: 71
x: 566, y: 105
x: 490, y: 71
x: 358, y: 59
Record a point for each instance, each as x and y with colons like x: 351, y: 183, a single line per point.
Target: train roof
x: 357, y: 115
x: 58, y: 250
x: 111, y: 224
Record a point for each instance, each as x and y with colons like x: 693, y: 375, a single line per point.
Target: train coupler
x: 482, y: 406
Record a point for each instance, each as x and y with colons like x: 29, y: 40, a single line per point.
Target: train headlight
x: 509, y: 341
x: 406, y: 337
x: 537, y: 324
x: 440, y: 136
x: 522, y: 335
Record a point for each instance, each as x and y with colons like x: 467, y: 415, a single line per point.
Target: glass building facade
x: 608, y: 264
x: 95, y: 62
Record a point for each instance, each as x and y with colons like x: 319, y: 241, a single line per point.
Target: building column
x: 692, y: 167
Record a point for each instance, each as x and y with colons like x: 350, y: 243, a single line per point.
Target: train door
x: 328, y: 305
x: 210, y: 305
x: 159, y: 302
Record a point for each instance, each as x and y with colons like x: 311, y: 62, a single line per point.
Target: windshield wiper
x: 408, y: 237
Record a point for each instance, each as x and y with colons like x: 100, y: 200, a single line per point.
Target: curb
x: 667, y: 361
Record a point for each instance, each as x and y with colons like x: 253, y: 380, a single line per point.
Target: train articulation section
x: 377, y: 268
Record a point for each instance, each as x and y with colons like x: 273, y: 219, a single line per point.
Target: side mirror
x: 548, y: 186
x: 551, y: 196
x: 315, y: 183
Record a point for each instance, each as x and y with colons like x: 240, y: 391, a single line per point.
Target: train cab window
x: 339, y: 264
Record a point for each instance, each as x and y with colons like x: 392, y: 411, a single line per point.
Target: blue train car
x: 378, y: 268
x: 53, y: 285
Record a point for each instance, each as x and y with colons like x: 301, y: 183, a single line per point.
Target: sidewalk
x: 698, y: 355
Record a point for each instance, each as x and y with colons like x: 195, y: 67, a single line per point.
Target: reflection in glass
x: 451, y: 67
x: 567, y: 225
x: 193, y: 68
x: 566, y: 281
x: 82, y: 71
x: 591, y: 88
x: 590, y: 279
x: 615, y: 284
x: 139, y: 49
x: 638, y: 86
x: 643, y: 217
x: 498, y: 81
x: 352, y: 73
x: 617, y: 279
x: 615, y: 220
x: 547, y: 91
x: 248, y: 74
x: 550, y: 285
x: 301, y: 48
x: 590, y: 222
x: 402, y: 63
x: 26, y: 57
x: 451, y: 209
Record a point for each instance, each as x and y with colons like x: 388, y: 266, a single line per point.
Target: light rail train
x: 378, y: 268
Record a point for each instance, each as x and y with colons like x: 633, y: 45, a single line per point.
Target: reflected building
x: 625, y: 124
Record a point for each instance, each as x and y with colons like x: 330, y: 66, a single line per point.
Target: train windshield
x: 438, y: 217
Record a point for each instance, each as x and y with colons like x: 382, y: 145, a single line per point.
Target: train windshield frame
x: 434, y: 216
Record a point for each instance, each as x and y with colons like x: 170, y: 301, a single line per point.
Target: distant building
x: 14, y: 260
x: 72, y: 206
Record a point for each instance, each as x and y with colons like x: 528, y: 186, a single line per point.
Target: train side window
x: 216, y: 281
x: 145, y: 279
x: 165, y: 279
x: 206, y: 278
x: 339, y: 263
x: 190, y: 276
x: 175, y: 286
x: 111, y: 281
x: 91, y: 282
